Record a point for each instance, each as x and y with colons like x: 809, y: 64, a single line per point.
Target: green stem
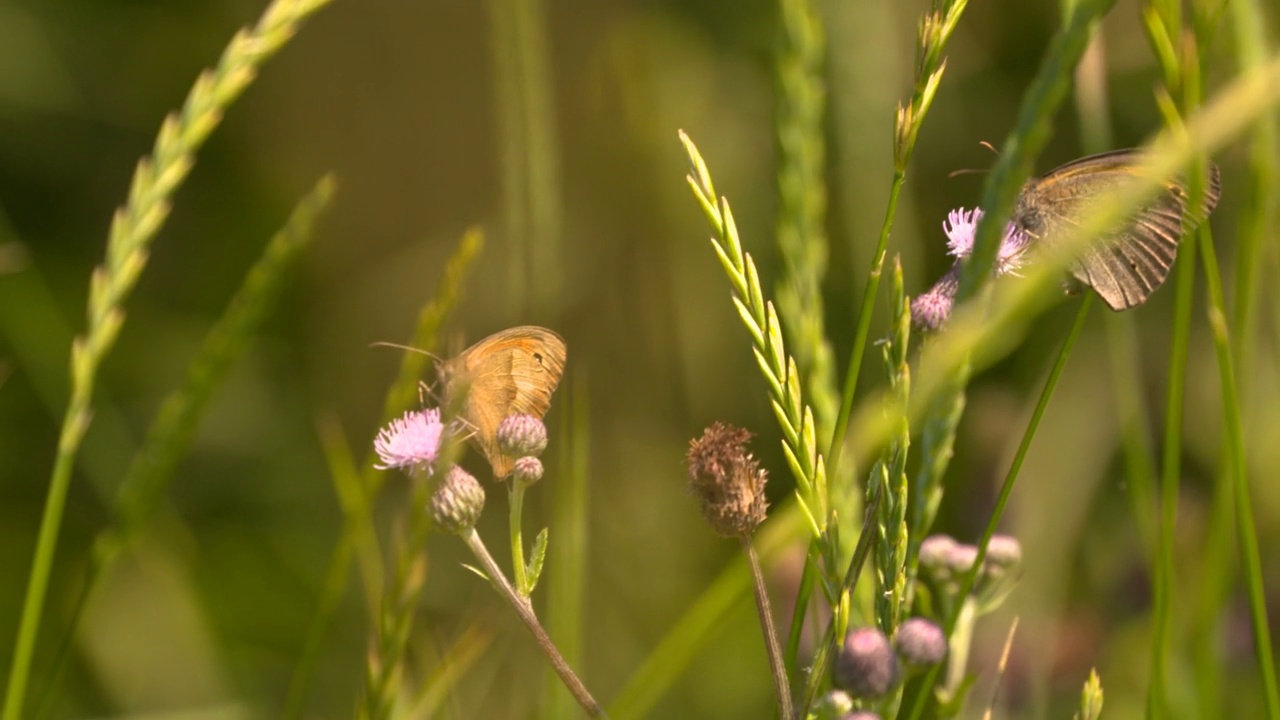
x: 1171, y: 471
x: 959, y: 643
x: 516, y: 497
x: 798, y: 613
x: 865, y: 310
x: 1251, y: 562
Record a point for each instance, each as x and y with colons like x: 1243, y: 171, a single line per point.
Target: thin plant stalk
x: 515, y: 497
x: 1251, y: 562
x: 524, y: 609
x: 935, y: 30
x: 781, y: 684
x: 705, y: 617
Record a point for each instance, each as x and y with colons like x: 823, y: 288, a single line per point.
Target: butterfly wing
x: 512, y: 371
x: 1125, y: 266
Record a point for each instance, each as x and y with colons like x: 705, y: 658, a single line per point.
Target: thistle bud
x: 934, y: 554
x: 521, y: 436
x: 456, y: 502
x: 1004, y: 552
x: 527, y: 470
x: 961, y: 558
x: 866, y: 666
x: 920, y: 642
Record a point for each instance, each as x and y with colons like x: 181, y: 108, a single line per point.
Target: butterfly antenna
x: 971, y: 171
x: 409, y: 348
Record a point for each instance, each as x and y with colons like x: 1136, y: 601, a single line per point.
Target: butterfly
x: 512, y: 371
x: 1125, y: 266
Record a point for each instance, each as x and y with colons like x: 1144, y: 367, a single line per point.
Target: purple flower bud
x: 527, y: 470
x: 931, y: 310
x: 961, y: 558
x: 1004, y: 551
x: 521, y: 436
x: 456, y: 502
x: 411, y: 441
x: 934, y: 553
x: 920, y: 642
x: 866, y: 666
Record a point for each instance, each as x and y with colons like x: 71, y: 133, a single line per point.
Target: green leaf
x: 534, y: 569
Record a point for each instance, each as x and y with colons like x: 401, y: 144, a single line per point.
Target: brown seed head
x: 728, y: 481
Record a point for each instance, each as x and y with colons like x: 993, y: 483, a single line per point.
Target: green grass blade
x: 570, y: 555
x: 132, y: 229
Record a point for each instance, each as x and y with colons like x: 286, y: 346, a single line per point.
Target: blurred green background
x: 404, y: 102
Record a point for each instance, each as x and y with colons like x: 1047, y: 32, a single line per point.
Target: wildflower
x: 930, y: 310
x: 961, y: 558
x: 1004, y: 552
x: 456, y: 502
x: 521, y: 436
x: 934, y: 554
x: 727, y: 480
x: 527, y: 470
x: 866, y: 666
x: 961, y: 228
x: 920, y: 642
x: 411, y: 441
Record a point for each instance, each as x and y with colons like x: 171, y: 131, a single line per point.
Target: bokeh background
x: 409, y: 104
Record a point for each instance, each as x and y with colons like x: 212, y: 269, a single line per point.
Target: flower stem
x: 516, y: 497
x: 780, y: 682
x: 524, y: 608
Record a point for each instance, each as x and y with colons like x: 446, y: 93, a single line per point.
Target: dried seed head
x: 727, y: 480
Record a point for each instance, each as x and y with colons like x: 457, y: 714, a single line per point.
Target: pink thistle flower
x: 932, y: 309
x: 410, y: 441
x: 960, y: 227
